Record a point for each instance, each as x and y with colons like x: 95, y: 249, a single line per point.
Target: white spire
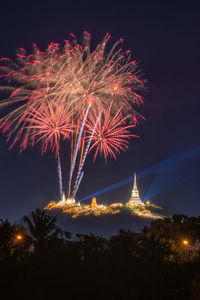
x: 135, y: 183
x: 135, y: 197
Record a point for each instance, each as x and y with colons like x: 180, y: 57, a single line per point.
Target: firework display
x: 111, y: 135
x: 71, y: 93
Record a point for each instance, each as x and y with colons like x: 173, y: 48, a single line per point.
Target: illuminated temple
x: 76, y: 208
x: 135, y: 197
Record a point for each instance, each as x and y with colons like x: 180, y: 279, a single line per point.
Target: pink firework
x: 73, y: 75
x: 112, y: 134
x: 48, y: 125
x: 61, y: 92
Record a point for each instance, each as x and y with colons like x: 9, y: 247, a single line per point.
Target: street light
x: 185, y: 242
x: 19, y: 237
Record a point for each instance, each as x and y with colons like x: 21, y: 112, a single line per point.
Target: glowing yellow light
x: 185, y: 242
x: 94, y: 203
x: 19, y: 237
x: 69, y: 206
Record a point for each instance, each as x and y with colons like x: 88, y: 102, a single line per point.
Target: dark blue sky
x: 165, y: 39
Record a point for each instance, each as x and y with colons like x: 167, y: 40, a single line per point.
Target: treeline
x: 39, y: 261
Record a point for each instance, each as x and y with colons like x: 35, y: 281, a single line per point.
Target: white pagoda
x: 135, y: 197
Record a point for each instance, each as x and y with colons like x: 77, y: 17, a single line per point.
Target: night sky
x: 164, y: 38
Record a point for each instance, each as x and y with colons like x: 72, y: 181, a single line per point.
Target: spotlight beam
x: 174, y: 161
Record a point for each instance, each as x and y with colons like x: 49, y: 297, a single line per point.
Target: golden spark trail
x: 82, y: 148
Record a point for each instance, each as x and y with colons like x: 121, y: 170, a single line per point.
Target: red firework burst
x: 48, y: 124
x: 51, y: 94
x: 112, y: 134
x: 70, y: 74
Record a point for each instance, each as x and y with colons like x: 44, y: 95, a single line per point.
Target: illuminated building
x: 114, y: 205
x: 68, y: 201
x: 94, y: 204
x: 135, y: 197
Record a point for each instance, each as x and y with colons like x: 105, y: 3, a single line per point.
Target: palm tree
x: 13, y: 240
x: 42, y: 228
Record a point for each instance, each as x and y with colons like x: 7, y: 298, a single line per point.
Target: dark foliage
x: 45, y: 263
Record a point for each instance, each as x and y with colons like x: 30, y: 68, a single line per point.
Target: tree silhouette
x: 14, y: 240
x: 42, y: 228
